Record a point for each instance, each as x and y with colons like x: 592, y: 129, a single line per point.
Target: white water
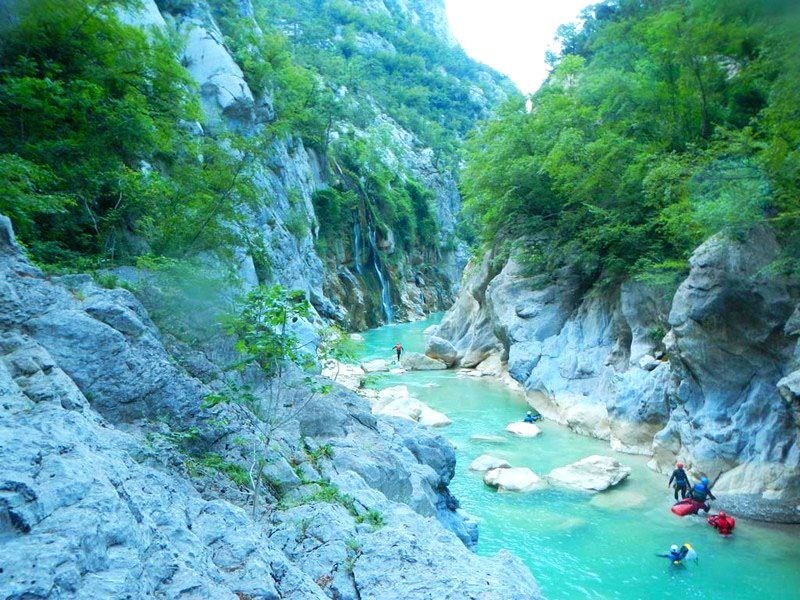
x: 386, y: 296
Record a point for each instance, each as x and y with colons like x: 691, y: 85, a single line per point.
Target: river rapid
x: 579, y: 545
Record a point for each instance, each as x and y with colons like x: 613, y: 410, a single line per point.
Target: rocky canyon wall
x: 706, y: 374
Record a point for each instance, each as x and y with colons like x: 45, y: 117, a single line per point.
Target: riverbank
x: 579, y: 545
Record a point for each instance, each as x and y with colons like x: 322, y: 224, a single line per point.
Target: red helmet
x: 680, y: 465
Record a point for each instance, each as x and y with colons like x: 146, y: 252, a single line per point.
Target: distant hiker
x: 399, y: 349
x: 681, y: 480
x: 700, y: 492
x: 532, y: 418
x: 722, y: 522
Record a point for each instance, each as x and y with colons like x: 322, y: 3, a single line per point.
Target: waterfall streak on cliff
x: 386, y: 297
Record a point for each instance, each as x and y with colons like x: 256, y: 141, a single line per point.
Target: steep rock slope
x: 355, y: 263
x: 704, y: 376
x: 107, y: 487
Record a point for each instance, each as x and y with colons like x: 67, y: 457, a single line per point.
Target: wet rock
x: 414, y: 361
x: 592, y: 474
x: 523, y: 429
x: 487, y: 462
x: 514, y: 479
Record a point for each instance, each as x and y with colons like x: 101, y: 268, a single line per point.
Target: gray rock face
x: 108, y: 488
x: 729, y: 351
x: 414, y: 361
x: 708, y: 376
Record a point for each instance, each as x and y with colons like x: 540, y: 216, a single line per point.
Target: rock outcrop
x: 513, y: 479
x: 116, y: 482
x: 592, y: 474
x: 706, y: 374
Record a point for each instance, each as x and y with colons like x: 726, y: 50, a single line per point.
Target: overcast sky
x: 512, y: 35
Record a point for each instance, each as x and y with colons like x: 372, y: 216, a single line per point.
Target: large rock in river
x: 487, y: 462
x: 515, y: 479
x: 441, y: 349
x: 414, y: 361
x: 523, y: 429
x: 592, y: 474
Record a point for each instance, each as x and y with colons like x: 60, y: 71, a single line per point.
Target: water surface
x: 580, y: 545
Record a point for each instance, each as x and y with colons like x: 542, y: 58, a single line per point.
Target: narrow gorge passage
x: 579, y: 545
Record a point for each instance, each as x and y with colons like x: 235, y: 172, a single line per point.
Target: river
x: 579, y: 545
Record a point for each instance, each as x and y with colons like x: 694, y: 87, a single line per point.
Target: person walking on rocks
x: 399, y: 349
x: 681, y: 480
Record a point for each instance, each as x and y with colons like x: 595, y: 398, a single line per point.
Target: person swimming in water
x: 677, y: 555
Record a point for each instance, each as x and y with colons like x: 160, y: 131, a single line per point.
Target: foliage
x: 655, y: 129
x: 214, y: 463
x: 262, y: 326
x: 95, y: 159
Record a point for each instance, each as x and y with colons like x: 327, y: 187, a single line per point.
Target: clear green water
x: 579, y: 545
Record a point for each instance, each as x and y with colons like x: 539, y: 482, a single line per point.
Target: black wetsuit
x: 681, y: 483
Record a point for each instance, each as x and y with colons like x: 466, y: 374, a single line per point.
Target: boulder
x: 592, y: 474
x: 487, y: 462
x: 515, y: 479
x: 414, y: 361
x: 523, y: 429
x: 397, y: 402
x: 377, y: 365
x: 350, y: 376
x: 441, y: 349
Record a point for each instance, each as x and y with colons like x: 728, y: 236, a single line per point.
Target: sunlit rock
x: 592, y: 474
x: 523, y: 429
x: 515, y: 479
x: 487, y: 462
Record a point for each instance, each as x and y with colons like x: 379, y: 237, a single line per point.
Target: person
x: 701, y: 492
x: 722, y: 522
x: 676, y: 554
x: 532, y: 418
x: 399, y: 349
x: 681, y: 480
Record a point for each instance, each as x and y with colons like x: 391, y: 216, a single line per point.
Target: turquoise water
x: 579, y: 545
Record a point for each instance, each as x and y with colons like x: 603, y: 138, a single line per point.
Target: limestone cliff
x: 119, y: 481
x: 704, y: 374
x: 358, y: 275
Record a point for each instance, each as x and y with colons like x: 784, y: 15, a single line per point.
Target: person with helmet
x: 532, y: 418
x: 676, y: 554
x: 722, y: 522
x: 701, y: 492
x: 681, y: 479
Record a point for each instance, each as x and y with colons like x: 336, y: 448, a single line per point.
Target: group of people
x: 695, y: 497
x: 699, y: 492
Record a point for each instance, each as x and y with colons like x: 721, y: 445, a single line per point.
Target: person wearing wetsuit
x: 681, y: 480
x: 675, y: 554
x: 723, y: 523
x: 399, y: 349
x: 532, y: 418
x: 701, y: 492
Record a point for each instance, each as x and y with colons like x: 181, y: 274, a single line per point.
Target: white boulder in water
x: 515, y: 479
x: 523, y: 429
x: 592, y: 474
x: 377, y: 365
x: 414, y: 361
x: 487, y: 462
x: 397, y: 402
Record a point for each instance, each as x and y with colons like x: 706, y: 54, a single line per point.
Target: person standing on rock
x: 399, y: 349
x: 681, y: 480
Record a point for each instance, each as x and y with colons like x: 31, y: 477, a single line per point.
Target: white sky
x: 512, y: 35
